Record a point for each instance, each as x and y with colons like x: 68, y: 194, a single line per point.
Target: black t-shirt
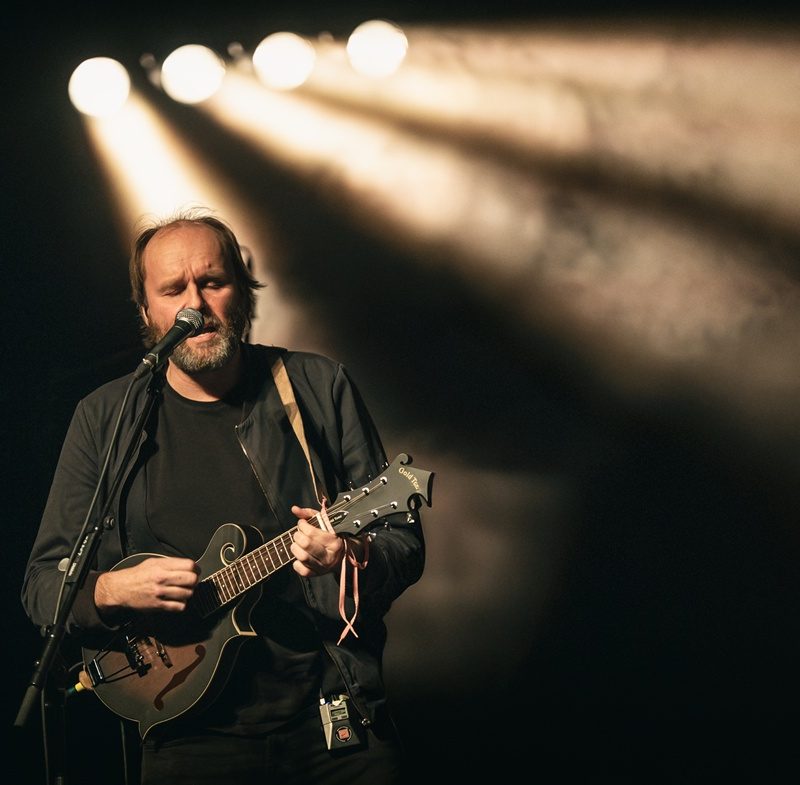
x: 198, y: 478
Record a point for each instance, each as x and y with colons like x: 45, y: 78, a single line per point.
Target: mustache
x: 211, y: 322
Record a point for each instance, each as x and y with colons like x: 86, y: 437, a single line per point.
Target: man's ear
x: 143, y: 314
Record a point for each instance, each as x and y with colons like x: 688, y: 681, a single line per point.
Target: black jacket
x: 345, y: 451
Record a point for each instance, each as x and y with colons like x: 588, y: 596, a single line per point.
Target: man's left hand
x: 316, y: 551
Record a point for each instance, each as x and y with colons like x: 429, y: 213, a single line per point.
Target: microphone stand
x: 78, y: 568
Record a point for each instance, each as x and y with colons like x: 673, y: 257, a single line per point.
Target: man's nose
x: 194, y: 298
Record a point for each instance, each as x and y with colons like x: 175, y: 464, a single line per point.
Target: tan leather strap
x: 293, y: 413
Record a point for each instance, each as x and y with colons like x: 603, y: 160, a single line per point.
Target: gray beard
x: 211, y: 356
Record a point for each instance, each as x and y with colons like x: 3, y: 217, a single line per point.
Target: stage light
x: 99, y: 86
x: 283, y: 60
x: 192, y: 73
x: 376, y: 48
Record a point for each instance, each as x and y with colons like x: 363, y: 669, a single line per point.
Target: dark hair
x: 232, y: 253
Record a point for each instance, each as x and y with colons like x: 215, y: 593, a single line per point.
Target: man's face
x: 184, y: 268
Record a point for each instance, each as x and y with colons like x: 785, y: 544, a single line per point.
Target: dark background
x: 662, y: 647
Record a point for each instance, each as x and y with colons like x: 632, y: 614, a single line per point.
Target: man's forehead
x: 176, y: 247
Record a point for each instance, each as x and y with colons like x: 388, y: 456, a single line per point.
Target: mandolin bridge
x: 135, y: 649
x: 162, y: 655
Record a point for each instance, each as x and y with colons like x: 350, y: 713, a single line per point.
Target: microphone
x: 188, y: 322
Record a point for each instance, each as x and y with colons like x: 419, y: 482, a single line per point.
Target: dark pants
x: 295, y: 754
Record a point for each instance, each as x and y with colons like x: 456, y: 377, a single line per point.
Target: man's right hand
x: 160, y: 583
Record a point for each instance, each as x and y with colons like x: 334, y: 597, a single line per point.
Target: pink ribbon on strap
x: 349, y: 557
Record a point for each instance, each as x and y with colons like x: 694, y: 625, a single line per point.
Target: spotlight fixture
x: 283, y: 60
x: 192, y: 73
x: 376, y: 48
x: 99, y: 86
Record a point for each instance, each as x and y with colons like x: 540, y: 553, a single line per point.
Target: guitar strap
x: 286, y: 392
x: 293, y: 413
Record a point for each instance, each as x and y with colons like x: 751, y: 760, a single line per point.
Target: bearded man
x: 262, y: 437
